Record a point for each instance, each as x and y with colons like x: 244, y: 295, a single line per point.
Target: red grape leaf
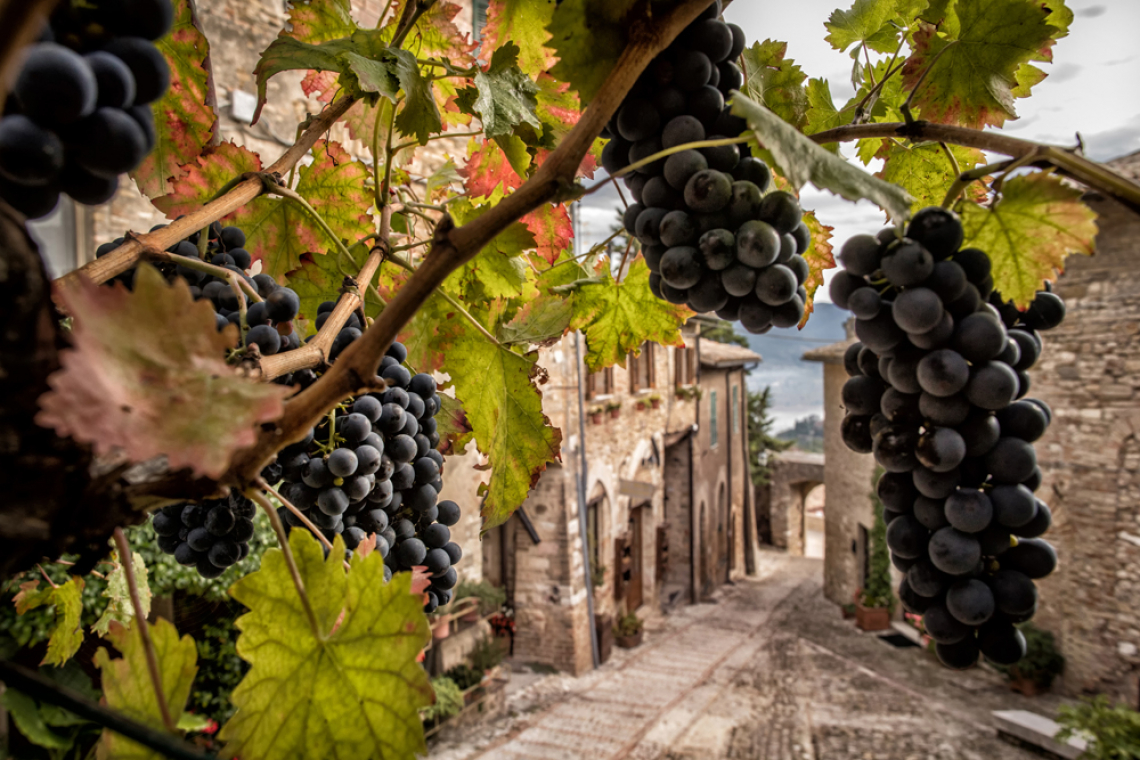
x: 618, y: 317
x: 552, y: 228
x: 317, y: 21
x: 147, y: 374
x: 976, y: 62
x: 184, y: 124
x: 819, y: 257
x: 204, y: 176
x: 524, y: 23
x: 487, y: 170
x: 436, y: 35
x: 1037, y: 222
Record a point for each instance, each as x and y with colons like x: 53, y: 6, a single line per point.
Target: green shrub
x: 877, y: 590
x: 628, y: 624
x: 448, y: 699
x: 220, y: 669
x: 465, y: 676
x: 491, y: 598
x: 1041, y: 663
x: 1114, y: 729
x: 486, y: 655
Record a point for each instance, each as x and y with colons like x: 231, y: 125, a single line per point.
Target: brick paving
x: 770, y: 672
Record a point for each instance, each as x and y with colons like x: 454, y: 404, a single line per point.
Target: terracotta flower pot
x: 441, y: 629
x: 615, y: 413
x: 872, y: 618
x: 655, y: 403
x: 1025, y: 686
x: 629, y: 642
x: 596, y: 419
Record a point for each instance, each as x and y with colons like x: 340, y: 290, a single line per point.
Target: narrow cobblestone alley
x: 769, y: 672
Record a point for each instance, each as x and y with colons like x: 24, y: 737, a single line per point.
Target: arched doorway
x: 723, y: 546
x: 704, y: 547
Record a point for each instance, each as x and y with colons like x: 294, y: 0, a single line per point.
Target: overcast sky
x: 1091, y: 88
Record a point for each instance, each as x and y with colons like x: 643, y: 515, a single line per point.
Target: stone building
x: 1089, y: 373
x: 625, y: 491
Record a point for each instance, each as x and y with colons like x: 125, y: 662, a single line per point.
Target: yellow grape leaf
x: 926, y: 173
x: 128, y: 688
x: 1038, y: 221
x: 819, y: 257
x: 147, y: 375
x: 119, y: 608
x: 352, y: 689
x: 67, y: 631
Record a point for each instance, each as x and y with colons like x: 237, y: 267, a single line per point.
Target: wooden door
x: 635, y: 588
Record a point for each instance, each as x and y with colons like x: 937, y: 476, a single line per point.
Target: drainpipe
x: 731, y: 527
x: 694, y: 518
x: 583, y: 530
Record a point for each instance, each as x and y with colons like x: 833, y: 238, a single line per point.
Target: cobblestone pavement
x: 769, y: 672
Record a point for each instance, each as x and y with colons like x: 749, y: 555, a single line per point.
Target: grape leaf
x: 147, y: 375
x: 119, y: 608
x: 321, y: 277
x: 802, y: 161
x: 558, y: 109
x: 869, y: 21
x: 504, y: 407
x: 452, y: 426
x: 618, y: 317
x: 30, y: 721
x: 353, y: 684
x: 1036, y: 223
x: 552, y: 228
x: 522, y: 22
x: 208, y: 173
x: 419, y: 117
x: 544, y: 319
x: 439, y: 184
x: 487, y: 170
x: 822, y: 114
x: 320, y: 20
x: 334, y: 185
x: 776, y: 81
x: 128, y: 688
x: 436, y: 34
x: 977, y: 63
x: 819, y: 256
x: 67, y: 630
x: 926, y: 173
x: 506, y: 95
x: 184, y: 123
x: 588, y: 36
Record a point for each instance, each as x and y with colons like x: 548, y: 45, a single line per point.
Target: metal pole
x: 583, y: 530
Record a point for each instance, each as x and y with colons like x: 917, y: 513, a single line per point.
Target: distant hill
x: 797, y: 386
x: 807, y: 434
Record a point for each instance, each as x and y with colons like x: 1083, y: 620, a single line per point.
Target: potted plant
x: 1111, y: 731
x: 448, y: 701
x: 597, y: 575
x: 874, y: 602
x: 614, y: 408
x: 642, y: 405
x: 596, y: 413
x: 441, y: 628
x: 1034, y: 673
x: 489, y: 598
x: 629, y: 631
x: 655, y: 401
x: 848, y: 610
x: 486, y: 655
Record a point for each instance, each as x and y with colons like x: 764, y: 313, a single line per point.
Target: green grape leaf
x: 819, y: 256
x: 141, y: 363
x: 588, y: 36
x: 436, y: 34
x: 372, y: 75
x: 289, y: 54
x: 506, y: 94
x: 334, y: 185
x: 184, y: 123
x: 419, y: 117
x: 822, y: 114
x: 802, y: 161
x: 119, y: 608
x: 521, y: 22
x: 926, y: 173
x: 870, y: 22
x: 67, y: 630
x: 776, y: 81
x: 973, y: 66
x: 440, y: 183
x: 321, y: 276
x: 544, y: 319
x: 128, y: 688
x: 504, y: 408
x: 353, y: 684
x: 618, y: 317
x: 1037, y: 222
x: 30, y: 721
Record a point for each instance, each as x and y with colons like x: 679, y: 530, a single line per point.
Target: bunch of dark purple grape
x: 376, y: 469
x: 210, y: 535
x: 711, y: 237
x: 79, y: 114
x: 269, y: 321
x: 936, y: 393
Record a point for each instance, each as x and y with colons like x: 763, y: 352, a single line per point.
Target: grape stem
x: 290, y: 561
x: 964, y: 180
x: 665, y: 154
x: 144, y: 630
x: 261, y: 483
x: 1068, y: 162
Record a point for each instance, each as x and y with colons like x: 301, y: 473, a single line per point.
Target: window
x: 736, y: 410
x: 642, y: 373
x: 686, y: 369
x: 712, y: 419
x: 592, y: 532
x: 600, y: 383
x: 479, y: 17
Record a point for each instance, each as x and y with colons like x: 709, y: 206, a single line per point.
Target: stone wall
x: 847, y: 481
x: 794, y: 475
x: 1090, y: 375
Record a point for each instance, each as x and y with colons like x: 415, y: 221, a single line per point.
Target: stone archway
x: 795, y: 475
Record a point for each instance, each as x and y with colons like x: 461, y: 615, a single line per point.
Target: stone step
x: 1038, y: 731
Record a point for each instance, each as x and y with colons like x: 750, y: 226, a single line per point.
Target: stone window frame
x: 646, y: 365
x: 606, y: 389
x: 685, y: 366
